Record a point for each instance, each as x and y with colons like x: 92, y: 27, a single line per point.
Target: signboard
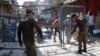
x: 9, y: 25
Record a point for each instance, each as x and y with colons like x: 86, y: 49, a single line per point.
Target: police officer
x: 81, y: 24
x: 26, y: 27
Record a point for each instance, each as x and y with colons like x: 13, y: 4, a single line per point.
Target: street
x: 50, y: 48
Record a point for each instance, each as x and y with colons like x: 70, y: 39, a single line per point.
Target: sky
x: 20, y: 2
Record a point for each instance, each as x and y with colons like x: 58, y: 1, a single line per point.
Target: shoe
x: 79, y: 52
x: 55, y: 41
x: 84, y: 50
x: 67, y: 42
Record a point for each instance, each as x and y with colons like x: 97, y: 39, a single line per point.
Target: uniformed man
x: 26, y: 27
x: 81, y: 24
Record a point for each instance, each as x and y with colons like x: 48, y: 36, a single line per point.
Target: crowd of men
x: 72, y: 25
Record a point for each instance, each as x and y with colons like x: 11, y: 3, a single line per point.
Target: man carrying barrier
x: 81, y: 24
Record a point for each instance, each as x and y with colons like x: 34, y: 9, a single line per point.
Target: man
x: 81, y: 24
x: 91, y: 25
x: 67, y: 27
x: 26, y: 27
x: 56, y: 23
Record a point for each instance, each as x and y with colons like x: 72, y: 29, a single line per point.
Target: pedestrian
x: 26, y: 29
x: 91, y: 25
x: 81, y: 24
x: 57, y: 25
x: 67, y: 27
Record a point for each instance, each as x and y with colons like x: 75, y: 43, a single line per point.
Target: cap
x: 68, y: 16
x: 29, y: 11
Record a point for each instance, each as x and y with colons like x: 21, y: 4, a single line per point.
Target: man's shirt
x: 81, y: 24
x: 26, y: 29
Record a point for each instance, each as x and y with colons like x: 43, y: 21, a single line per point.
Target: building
x: 94, y: 7
x: 56, y: 8
x: 16, y: 8
x: 8, y: 8
x: 43, y: 12
x: 89, y: 5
